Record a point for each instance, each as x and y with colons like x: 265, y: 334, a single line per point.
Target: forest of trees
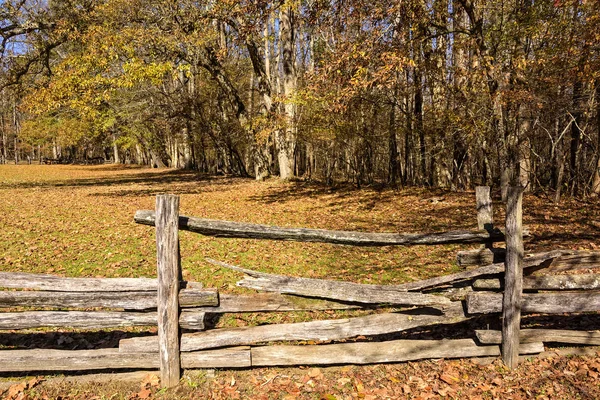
x: 441, y: 93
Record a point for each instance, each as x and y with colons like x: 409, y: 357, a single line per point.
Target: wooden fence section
x: 175, y: 305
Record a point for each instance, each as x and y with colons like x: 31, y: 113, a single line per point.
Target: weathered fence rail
x: 175, y: 305
x: 229, y: 229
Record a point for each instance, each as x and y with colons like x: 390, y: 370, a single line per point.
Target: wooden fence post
x: 513, y: 283
x: 485, y: 214
x: 168, y: 265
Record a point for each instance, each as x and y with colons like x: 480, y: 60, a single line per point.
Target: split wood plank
x: 513, y: 278
x: 547, y: 303
x: 568, y: 260
x: 483, y: 256
x: 169, y: 271
x: 337, y: 290
x: 82, y: 360
x: 534, y: 261
x: 575, y: 261
x: 590, y: 338
x: 265, y: 302
x: 378, y: 352
x: 547, y: 282
x: 52, y: 283
x: 92, y: 319
x: 125, y: 300
x: 308, y: 286
x: 325, y: 330
x: 218, y: 228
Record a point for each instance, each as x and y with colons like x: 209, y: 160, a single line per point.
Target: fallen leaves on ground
x: 77, y: 221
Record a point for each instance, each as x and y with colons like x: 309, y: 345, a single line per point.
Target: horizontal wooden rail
x: 267, y: 302
x: 548, y: 303
x: 243, y: 357
x: 379, y: 352
x: 209, y: 227
x: 92, y: 319
x: 568, y: 260
x: 52, y: 283
x: 125, y: 300
x: 590, y: 338
x: 547, y: 282
x: 82, y: 360
x: 326, y: 330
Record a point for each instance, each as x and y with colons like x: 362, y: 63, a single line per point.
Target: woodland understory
x: 439, y: 93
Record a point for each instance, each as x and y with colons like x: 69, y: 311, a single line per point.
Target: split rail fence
x: 495, y: 280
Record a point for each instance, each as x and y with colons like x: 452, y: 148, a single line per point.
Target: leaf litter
x: 77, y: 221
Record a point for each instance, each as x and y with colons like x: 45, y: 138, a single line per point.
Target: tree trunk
x: 286, y: 138
x: 393, y: 143
x: 596, y: 179
x: 17, y: 128
x: 575, y: 135
x: 524, y: 157
x: 117, y: 159
x: 4, y: 140
x: 418, y: 113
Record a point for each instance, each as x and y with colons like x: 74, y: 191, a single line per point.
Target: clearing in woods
x: 78, y: 221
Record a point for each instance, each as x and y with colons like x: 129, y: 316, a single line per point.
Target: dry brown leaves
x: 77, y: 221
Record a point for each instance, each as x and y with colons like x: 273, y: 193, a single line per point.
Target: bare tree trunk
x: 286, y: 139
x: 17, y: 129
x: 418, y: 113
x: 393, y: 143
x: 596, y: 180
x: 409, y: 167
x: 575, y: 135
x: 117, y: 159
x: 4, y: 140
x: 524, y: 155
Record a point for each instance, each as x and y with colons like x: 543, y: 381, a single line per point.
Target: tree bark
x: 286, y: 138
x: 231, y: 229
x: 371, y: 353
x: 169, y: 271
x: 513, y: 278
x: 326, y: 330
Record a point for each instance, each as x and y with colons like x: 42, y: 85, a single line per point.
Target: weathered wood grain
x: 534, y: 261
x: 547, y: 282
x: 482, y: 256
x: 590, y: 338
x: 325, y: 330
x: 91, y: 319
x: 169, y: 271
x: 513, y: 278
x: 308, y: 286
x: 231, y: 357
x: 82, y: 360
x: 336, y: 290
x: 547, y: 303
x: 485, y: 214
x: 209, y: 227
x: 265, y: 302
x: 126, y: 300
x: 52, y: 283
x: 379, y: 352
x: 574, y: 261
x: 565, y: 260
